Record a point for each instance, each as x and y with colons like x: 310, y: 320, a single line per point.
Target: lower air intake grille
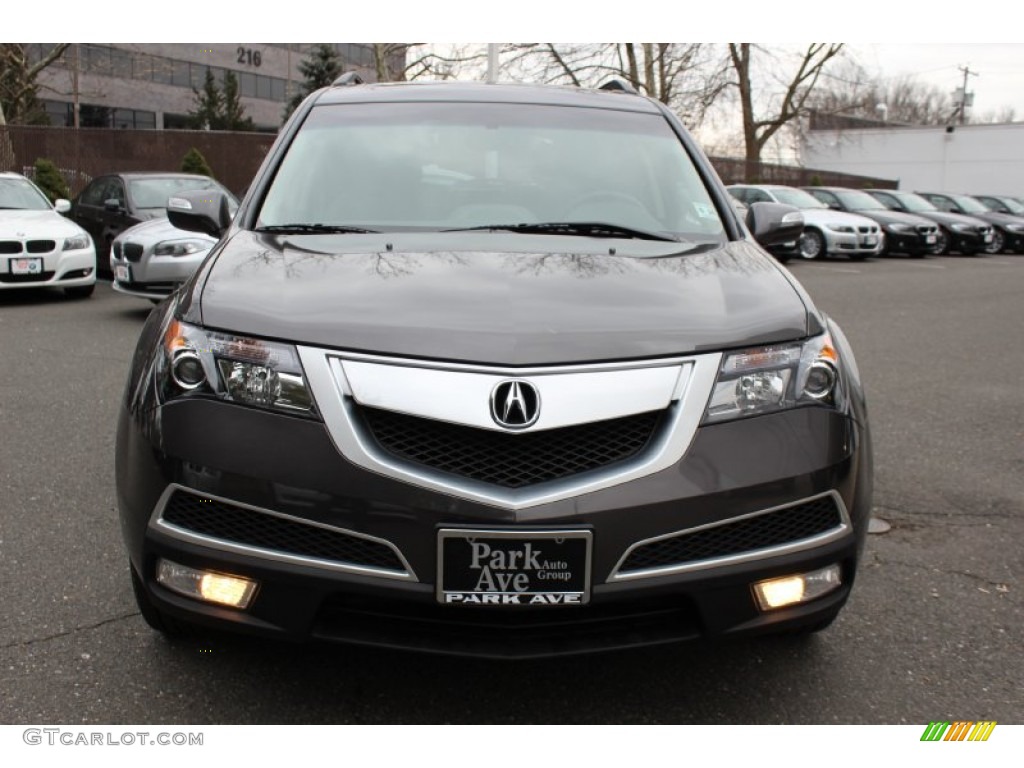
x: 506, y: 459
x: 772, y: 529
x: 238, y: 525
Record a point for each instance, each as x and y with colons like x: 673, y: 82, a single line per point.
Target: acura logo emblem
x: 515, y: 404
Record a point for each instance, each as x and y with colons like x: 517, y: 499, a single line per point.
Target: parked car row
x: 862, y: 223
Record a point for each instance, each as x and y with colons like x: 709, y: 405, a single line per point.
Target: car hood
x: 36, y: 224
x: 883, y: 216
x: 1000, y: 219
x: 517, y: 304
x: 824, y: 216
x: 155, y: 230
x: 948, y: 219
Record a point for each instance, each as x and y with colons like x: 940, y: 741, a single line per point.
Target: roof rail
x: 349, y: 78
x: 618, y: 84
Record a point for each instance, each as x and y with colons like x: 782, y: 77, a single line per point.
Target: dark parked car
x: 904, y: 232
x: 1007, y: 229
x: 110, y: 204
x: 492, y: 370
x: 963, y: 234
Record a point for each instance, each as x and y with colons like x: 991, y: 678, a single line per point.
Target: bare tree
x: 684, y: 76
x: 772, y: 98
x: 396, y: 62
x: 850, y: 91
x: 18, y: 86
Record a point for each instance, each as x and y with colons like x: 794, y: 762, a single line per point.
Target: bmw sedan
x: 113, y: 203
x: 39, y: 248
x: 491, y: 370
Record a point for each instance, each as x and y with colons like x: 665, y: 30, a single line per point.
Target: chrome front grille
x: 508, y: 459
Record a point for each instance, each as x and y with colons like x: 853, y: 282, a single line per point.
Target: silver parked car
x: 827, y: 232
x: 151, y: 259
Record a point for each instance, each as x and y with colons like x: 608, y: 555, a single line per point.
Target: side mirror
x: 774, y: 223
x: 61, y: 205
x: 112, y: 205
x: 203, y: 211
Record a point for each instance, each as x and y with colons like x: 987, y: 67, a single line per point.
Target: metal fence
x: 84, y: 153
x: 740, y: 171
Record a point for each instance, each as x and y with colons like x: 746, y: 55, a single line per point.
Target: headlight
x: 961, y: 227
x: 839, y: 227
x: 1015, y: 227
x: 265, y: 374
x: 76, y: 243
x: 180, y: 247
x: 768, y: 379
x: 899, y: 227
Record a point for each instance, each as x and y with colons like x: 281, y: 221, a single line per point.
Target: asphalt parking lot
x: 932, y: 631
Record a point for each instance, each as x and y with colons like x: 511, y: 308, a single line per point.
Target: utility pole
x: 965, y: 98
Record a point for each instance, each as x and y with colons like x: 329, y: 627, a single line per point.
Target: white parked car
x: 39, y: 247
x: 151, y: 259
x: 826, y: 232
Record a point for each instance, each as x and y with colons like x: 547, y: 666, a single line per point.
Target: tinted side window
x: 113, y: 190
x: 942, y: 203
x: 826, y: 197
x: 758, y: 196
x: 887, y: 200
x: 93, y: 194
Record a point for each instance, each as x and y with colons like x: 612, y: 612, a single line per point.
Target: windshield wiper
x: 315, y: 229
x: 582, y: 228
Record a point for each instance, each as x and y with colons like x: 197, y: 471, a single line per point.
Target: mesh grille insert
x: 238, y: 525
x: 772, y: 529
x: 510, y: 460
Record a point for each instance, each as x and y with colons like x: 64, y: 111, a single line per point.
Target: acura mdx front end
x: 490, y: 370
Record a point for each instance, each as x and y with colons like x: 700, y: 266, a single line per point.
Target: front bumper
x: 62, y: 269
x: 152, y: 277
x: 854, y: 243
x: 288, y: 466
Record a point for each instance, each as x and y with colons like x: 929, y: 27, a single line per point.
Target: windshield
x: 21, y: 195
x: 970, y: 205
x: 859, y: 201
x: 797, y: 198
x: 1012, y: 205
x: 912, y: 202
x: 453, y: 165
x: 153, y: 193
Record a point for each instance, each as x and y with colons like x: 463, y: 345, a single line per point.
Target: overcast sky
x: 1000, y: 65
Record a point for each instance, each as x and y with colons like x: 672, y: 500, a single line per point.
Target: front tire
x: 941, y: 243
x: 998, y: 242
x: 812, y: 244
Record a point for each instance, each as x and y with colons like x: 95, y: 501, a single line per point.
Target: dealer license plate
x: 930, y: 239
x: 123, y: 273
x: 33, y: 266
x: 988, y: 238
x: 513, y: 568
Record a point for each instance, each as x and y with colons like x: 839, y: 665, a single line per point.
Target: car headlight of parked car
x: 76, y: 243
x: 839, y: 227
x: 766, y: 379
x: 899, y: 227
x: 961, y: 227
x: 264, y: 374
x: 180, y: 247
x: 1015, y: 227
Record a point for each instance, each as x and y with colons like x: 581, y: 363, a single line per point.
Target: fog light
x: 799, y: 588
x: 211, y: 587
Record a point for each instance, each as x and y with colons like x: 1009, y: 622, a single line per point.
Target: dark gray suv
x: 491, y: 370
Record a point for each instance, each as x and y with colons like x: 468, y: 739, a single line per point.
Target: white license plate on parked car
x: 930, y: 239
x: 123, y: 273
x: 988, y: 238
x: 27, y: 266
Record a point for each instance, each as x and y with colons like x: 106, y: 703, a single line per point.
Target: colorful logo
x: 961, y: 730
